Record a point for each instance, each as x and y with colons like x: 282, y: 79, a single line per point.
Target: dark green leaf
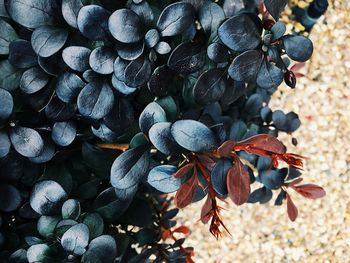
x: 77, y: 58
x: 210, y: 86
x: 298, y: 48
x: 152, y: 114
x: 129, y: 168
x: 175, y: 19
x: 275, y: 7
x: 193, y: 135
x: 102, y: 249
x: 47, y: 197
x: 33, y: 13
x: 33, y: 80
x: 186, y: 58
x: 8, y: 34
x: 26, y: 141
x: 92, y: 22
x: 162, y: 178
x: 10, y: 198
x: 48, y: 40
x: 95, y: 100
x: 76, y: 239
x: 126, y: 26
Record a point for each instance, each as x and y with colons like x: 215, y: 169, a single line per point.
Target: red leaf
x: 238, y: 183
x: 310, y: 191
x: 296, y: 181
x: 183, y: 170
x: 292, y: 210
x: 208, y: 162
x: 182, y: 229
x: 166, y: 234
x: 225, y: 149
x: 206, y: 211
x: 299, y: 75
x: 297, y: 66
x: 185, y: 193
x: 263, y: 142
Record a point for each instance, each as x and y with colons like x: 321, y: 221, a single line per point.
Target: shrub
x: 107, y: 106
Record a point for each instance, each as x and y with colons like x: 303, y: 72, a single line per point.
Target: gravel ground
x: 263, y: 233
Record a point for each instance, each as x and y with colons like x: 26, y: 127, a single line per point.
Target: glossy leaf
x: 275, y: 7
x: 292, y: 46
x: 273, y: 179
x: 144, y: 11
x: 26, y: 141
x: 186, y: 58
x: 71, y: 209
x: 130, y: 51
x: 175, y: 19
x: 218, y: 52
x: 240, y: 33
x: 219, y: 176
x: 162, y: 48
x: 162, y: 178
x: 76, y: 57
x: 95, y: 224
x: 261, y: 195
x: 138, y: 72
x: 245, y: 66
x: 68, y: 86
x: 129, y: 168
x: 33, y: 80
x: 160, y: 136
x: 95, y: 100
x: 47, y: 153
x: 47, y: 197
x: 6, y: 102
x: 76, y: 239
x: 101, y: 60
x: 278, y: 30
x: 46, y: 225
x: 63, y: 133
x: 21, y: 54
x: 10, y: 198
x: 193, y: 135
x: 39, y: 253
x: 70, y: 10
x: 48, y: 40
x: 126, y: 26
x: 92, y: 22
x: 33, y: 13
x: 210, y: 17
x: 152, y: 114
x: 8, y: 34
x: 238, y: 183
x: 210, y: 86
x: 269, y: 76
x: 152, y: 38
x: 9, y: 76
x: 102, y: 249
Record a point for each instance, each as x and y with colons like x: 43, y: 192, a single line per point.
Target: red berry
x: 290, y: 79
